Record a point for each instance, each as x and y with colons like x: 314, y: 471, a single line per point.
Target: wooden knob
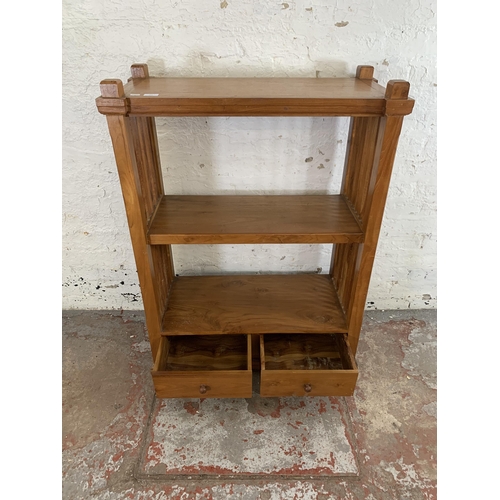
x: 203, y: 389
x: 307, y: 387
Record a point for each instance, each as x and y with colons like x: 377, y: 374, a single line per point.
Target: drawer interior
x: 306, y: 352
x: 203, y: 353
x: 306, y: 365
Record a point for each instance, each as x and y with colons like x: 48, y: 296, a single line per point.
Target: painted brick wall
x: 249, y: 38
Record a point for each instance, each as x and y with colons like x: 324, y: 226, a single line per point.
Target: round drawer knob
x: 307, y: 387
x: 203, y: 389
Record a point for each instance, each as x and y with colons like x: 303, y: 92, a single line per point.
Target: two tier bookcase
x: 299, y: 331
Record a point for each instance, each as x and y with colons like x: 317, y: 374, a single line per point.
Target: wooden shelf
x: 147, y: 96
x: 254, y: 219
x: 300, y: 303
x: 207, y: 333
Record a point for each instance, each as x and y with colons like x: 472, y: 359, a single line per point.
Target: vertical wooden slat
x: 148, y: 163
x: 360, y: 159
x: 363, y: 132
x: 164, y: 273
x: 149, y: 170
x: 342, y: 271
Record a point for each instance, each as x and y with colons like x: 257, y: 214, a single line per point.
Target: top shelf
x: 148, y: 96
x: 254, y: 96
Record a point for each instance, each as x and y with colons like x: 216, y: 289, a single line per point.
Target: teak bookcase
x: 301, y: 331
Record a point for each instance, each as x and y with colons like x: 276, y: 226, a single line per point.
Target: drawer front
x: 275, y: 383
x: 203, y: 384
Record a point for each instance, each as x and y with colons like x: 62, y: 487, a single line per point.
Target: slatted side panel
x: 164, y: 273
x: 343, y: 267
x: 148, y: 162
x: 356, y: 180
x: 357, y: 174
x: 151, y: 181
x: 387, y: 140
x: 369, y: 175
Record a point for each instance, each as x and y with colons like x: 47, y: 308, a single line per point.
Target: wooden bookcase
x: 208, y: 333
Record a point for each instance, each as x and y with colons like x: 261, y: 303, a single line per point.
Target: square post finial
x: 139, y: 71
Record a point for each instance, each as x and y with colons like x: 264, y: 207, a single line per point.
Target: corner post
x: 122, y: 138
x: 365, y: 72
x: 147, y: 158
x: 367, y: 173
x: 139, y: 71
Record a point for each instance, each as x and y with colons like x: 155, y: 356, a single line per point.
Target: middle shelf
x: 246, y: 219
x: 253, y: 304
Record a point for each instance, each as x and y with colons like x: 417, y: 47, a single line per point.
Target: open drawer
x: 204, y: 366
x: 307, y: 365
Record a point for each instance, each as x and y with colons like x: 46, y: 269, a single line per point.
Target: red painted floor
x: 250, y: 437
x: 120, y: 442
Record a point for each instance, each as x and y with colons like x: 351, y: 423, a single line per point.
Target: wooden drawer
x: 204, y: 366
x: 307, y: 365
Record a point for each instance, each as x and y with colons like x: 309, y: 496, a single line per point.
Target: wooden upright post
x: 370, y: 156
x: 137, y: 160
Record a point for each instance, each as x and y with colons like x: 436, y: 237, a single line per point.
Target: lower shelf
x: 220, y: 366
x: 257, y: 304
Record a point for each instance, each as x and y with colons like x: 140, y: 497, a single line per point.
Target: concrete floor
x: 120, y: 442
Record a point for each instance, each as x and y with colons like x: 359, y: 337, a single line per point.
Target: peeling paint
x: 271, y: 445
x: 381, y: 443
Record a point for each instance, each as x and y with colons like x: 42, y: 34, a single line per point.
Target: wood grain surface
x: 203, y: 384
x: 302, y: 352
x: 208, y: 367
x: 207, y: 352
x: 252, y: 88
x: 294, y: 365
x: 254, y: 97
x: 147, y: 157
x: 371, y: 150
x: 123, y: 145
x: 387, y: 140
x: 254, y: 219
x: 203, y: 329
x: 300, y: 303
x: 281, y: 383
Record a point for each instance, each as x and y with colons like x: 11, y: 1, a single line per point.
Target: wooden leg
x: 370, y: 157
x: 138, y: 160
x: 121, y: 136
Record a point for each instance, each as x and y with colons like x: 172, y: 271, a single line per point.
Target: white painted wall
x: 313, y: 38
